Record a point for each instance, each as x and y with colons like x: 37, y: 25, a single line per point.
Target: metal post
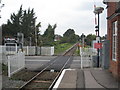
x: 30, y: 41
x: 35, y: 41
x: 81, y: 57
x: 98, y: 42
x: 83, y: 40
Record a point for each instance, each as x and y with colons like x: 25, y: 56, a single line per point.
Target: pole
x: 35, y: 41
x: 81, y: 51
x: 81, y: 58
x: 83, y: 40
x: 98, y: 41
x: 30, y: 41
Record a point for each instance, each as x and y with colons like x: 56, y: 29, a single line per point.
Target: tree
x: 89, y: 38
x: 14, y: 24
x: 48, y: 36
x: 70, y: 37
x: 68, y: 33
x: 24, y: 22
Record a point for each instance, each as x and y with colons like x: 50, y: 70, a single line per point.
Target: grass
x: 4, y: 69
x: 61, y: 48
x: 77, y: 52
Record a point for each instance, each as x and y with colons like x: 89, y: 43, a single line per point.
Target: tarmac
x: 95, y: 78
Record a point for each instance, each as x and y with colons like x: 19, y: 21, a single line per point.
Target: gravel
x: 10, y: 84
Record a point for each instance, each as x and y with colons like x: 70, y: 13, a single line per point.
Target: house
x: 113, y: 31
x: 57, y: 37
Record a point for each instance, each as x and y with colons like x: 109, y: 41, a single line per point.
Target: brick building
x: 113, y: 31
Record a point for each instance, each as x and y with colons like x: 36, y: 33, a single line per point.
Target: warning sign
x: 97, y: 45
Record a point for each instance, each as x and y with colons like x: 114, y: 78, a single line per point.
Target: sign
x: 79, y: 45
x: 97, y: 38
x: 97, y: 45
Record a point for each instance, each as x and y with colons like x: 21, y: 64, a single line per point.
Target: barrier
x: 47, y: 50
x: 87, y: 57
x: 31, y: 50
x: 15, y: 63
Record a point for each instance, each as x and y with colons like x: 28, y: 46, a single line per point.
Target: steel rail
x: 53, y: 83
x: 25, y: 84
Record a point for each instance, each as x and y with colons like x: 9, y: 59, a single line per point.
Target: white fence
x: 89, y: 51
x: 31, y: 50
x: 86, y: 57
x: 15, y: 63
x: 47, y: 50
x: 3, y: 57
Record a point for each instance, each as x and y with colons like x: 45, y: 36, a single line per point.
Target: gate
x: 87, y: 57
x: 15, y: 63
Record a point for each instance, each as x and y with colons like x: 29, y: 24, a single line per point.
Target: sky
x: 74, y: 14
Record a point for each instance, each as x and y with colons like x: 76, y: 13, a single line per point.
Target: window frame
x: 114, y: 40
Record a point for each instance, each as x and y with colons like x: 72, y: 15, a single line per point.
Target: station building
x: 113, y: 35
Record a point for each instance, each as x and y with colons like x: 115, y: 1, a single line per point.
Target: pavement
x: 95, y: 78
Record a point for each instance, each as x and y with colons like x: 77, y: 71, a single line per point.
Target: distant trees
x: 88, y: 39
x: 70, y: 37
x: 24, y: 21
x: 49, y: 35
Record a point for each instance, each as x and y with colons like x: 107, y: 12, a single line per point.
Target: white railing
x: 15, y: 63
x: 47, y: 50
x: 86, y: 56
x: 31, y: 50
x: 3, y: 57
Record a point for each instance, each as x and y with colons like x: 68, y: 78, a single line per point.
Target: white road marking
x: 38, y: 60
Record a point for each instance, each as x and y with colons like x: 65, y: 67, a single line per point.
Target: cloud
x: 76, y: 14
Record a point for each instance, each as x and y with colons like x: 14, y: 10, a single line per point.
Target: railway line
x: 49, y: 73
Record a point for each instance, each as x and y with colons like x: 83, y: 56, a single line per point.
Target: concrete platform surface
x: 87, y: 78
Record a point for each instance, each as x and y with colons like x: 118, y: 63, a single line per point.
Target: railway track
x: 48, y: 75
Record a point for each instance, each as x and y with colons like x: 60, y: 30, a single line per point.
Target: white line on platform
x: 76, y: 60
x: 60, y: 78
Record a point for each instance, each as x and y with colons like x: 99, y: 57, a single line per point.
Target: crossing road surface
x: 35, y: 62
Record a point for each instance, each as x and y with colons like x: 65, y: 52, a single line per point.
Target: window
x: 118, y: 5
x: 114, y: 41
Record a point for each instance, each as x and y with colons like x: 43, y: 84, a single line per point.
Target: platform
x: 86, y: 78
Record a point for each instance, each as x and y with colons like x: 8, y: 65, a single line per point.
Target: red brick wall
x: 118, y: 46
x: 114, y: 65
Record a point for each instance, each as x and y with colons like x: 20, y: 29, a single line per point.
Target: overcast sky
x: 74, y: 14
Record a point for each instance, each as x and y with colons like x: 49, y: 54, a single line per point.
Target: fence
x: 89, y: 51
x: 3, y: 57
x: 31, y: 50
x: 47, y: 50
x: 86, y: 57
x: 15, y: 63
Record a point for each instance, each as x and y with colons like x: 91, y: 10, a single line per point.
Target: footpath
x: 95, y: 78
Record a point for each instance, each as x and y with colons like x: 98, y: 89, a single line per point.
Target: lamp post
x: 98, y: 11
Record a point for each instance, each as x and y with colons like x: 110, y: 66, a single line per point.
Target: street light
x: 98, y: 10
